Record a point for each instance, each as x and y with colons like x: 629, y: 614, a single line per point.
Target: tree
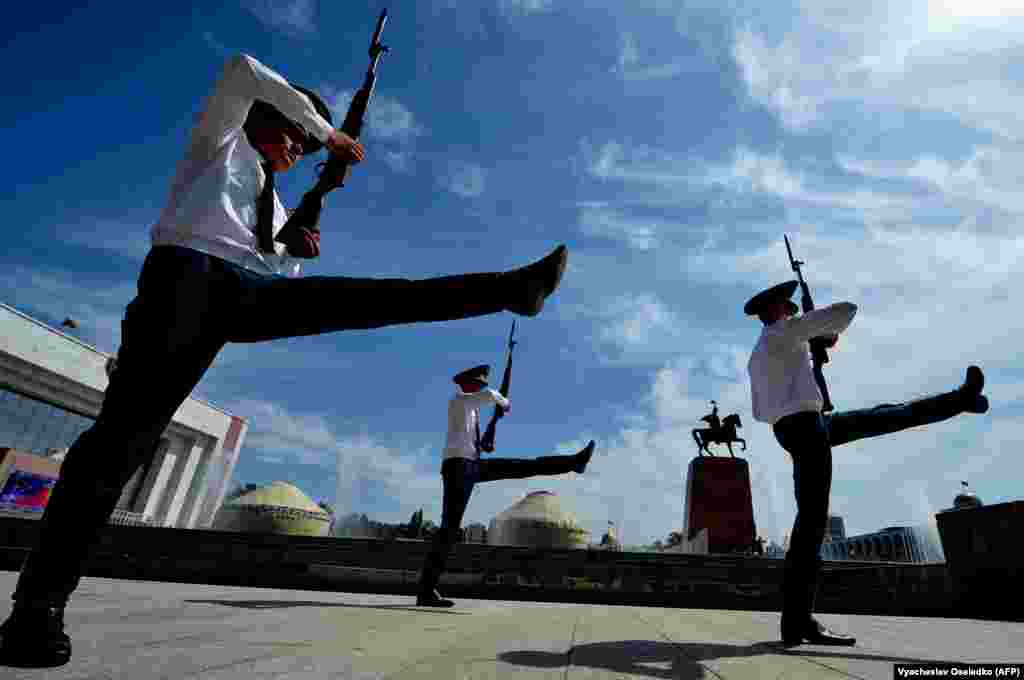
x: 415, y: 524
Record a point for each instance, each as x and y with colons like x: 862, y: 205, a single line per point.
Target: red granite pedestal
x: 718, y: 500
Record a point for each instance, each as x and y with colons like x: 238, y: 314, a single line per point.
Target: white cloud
x: 525, y: 6
x: 293, y: 17
x: 990, y: 176
x: 387, y: 118
x: 633, y: 328
x: 98, y: 308
x: 277, y: 435
x: 630, y: 66
x: 634, y: 163
x: 948, y: 57
x: 399, y: 161
x: 610, y: 224
x: 974, y: 9
x: 465, y: 179
x: 126, y: 239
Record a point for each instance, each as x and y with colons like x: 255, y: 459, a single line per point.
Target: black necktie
x: 265, y: 212
x: 477, y: 442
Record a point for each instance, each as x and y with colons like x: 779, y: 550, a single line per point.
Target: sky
x: 668, y: 144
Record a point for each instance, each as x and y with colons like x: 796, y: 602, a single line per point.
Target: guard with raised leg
x: 223, y: 269
x: 463, y: 468
x: 786, y: 395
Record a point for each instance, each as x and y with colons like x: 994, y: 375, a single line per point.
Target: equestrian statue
x: 719, y: 431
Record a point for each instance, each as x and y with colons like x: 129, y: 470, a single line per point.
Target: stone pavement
x: 139, y: 630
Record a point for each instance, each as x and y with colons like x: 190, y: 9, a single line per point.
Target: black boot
x: 818, y: 634
x: 965, y: 399
x: 433, y: 599
x: 529, y: 286
x: 583, y: 457
x: 798, y: 623
x: 559, y: 465
x: 431, y: 575
x: 799, y: 589
x: 33, y: 637
x: 974, y: 383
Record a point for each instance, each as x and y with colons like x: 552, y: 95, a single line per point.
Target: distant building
x: 277, y: 508
x: 610, y: 540
x: 538, y: 520
x: 835, y: 529
x: 476, y: 533
x: 51, y: 388
x: 892, y: 544
x: 965, y: 500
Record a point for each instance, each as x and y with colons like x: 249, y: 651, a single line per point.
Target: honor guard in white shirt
x: 222, y: 269
x: 786, y: 396
x: 463, y: 468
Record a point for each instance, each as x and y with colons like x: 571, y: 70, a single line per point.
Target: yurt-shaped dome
x: 278, y: 508
x: 538, y: 520
x: 966, y: 499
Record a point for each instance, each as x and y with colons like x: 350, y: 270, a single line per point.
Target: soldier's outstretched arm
x: 244, y: 80
x: 825, y: 321
x: 488, y: 396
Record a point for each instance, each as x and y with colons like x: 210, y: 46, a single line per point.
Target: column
x: 156, y: 481
x: 198, y: 487
x: 180, y: 485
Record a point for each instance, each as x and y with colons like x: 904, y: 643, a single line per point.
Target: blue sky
x: 669, y: 144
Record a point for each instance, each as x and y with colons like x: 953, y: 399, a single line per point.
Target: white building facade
x: 51, y: 389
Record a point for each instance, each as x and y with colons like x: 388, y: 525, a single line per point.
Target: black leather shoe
x: 583, y: 457
x: 529, y: 286
x: 33, y: 637
x: 433, y: 599
x: 815, y: 633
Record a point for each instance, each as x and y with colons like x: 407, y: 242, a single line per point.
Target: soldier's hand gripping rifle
x: 334, y: 172
x: 487, y: 441
x: 819, y: 353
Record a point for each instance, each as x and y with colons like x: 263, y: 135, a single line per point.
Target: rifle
x: 819, y: 353
x: 487, y: 441
x: 334, y: 172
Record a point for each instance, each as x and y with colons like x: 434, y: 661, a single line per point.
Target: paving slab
x: 141, y: 630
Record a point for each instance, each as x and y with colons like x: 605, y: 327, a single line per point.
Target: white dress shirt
x: 781, y: 377
x: 214, y: 196
x: 464, y: 418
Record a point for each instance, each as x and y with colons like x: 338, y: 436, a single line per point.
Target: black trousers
x: 188, y: 306
x: 808, y: 437
x: 459, y: 476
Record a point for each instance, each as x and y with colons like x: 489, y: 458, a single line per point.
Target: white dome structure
x: 539, y: 521
x: 278, y: 508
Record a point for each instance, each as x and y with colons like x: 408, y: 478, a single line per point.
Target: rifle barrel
x: 380, y: 27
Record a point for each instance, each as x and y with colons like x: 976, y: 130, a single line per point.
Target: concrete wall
x: 517, y: 573
x: 983, y: 550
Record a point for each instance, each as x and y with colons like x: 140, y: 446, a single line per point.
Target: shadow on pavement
x: 673, y: 660
x: 284, y: 604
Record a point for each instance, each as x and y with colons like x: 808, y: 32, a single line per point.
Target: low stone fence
x: 509, y: 573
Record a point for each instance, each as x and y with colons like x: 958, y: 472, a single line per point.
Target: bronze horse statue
x: 724, y: 434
